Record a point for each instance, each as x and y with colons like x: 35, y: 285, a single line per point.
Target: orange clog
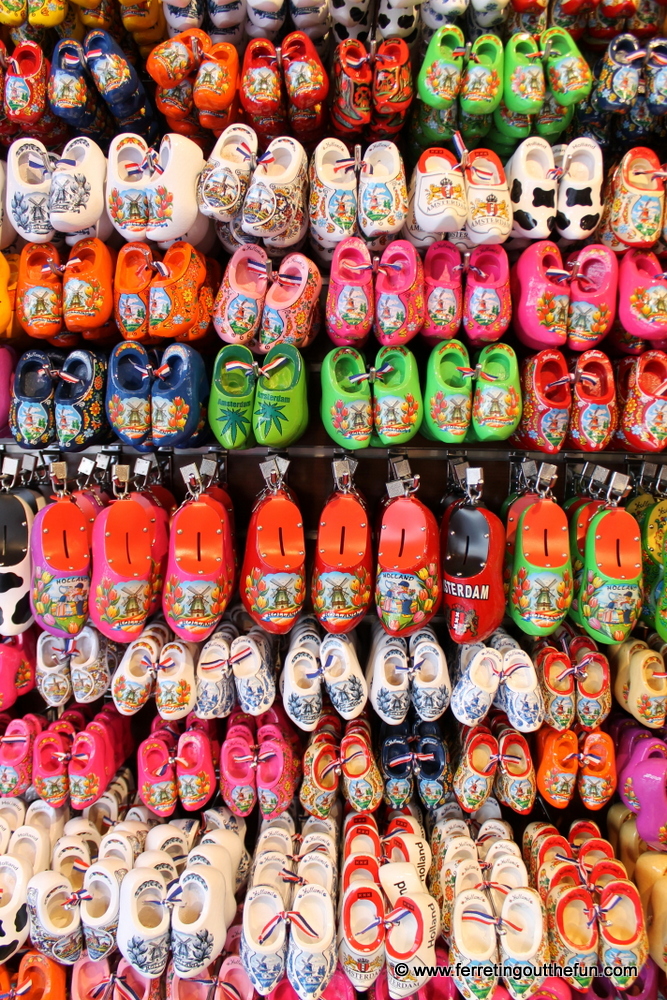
x: 88, y: 285
x: 217, y: 78
x: 206, y: 297
x: 597, y: 774
x: 176, y: 102
x: 134, y: 273
x: 13, y: 330
x: 178, y: 57
x: 47, y: 978
x: 173, y: 303
x: 39, y: 290
x: 557, y: 771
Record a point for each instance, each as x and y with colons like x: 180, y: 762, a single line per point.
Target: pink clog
x: 101, y: 729
x: 7, y: 363
x: 276, y: 771
x: 87, y: 769
x: 17, y: 666
x: 159, y: 519
x: 349, y: 311
x: 642, y: 298
x: 195, y: 770
x: 87, y: 975
x: 142, y: 987
x: 593, y: 289
x: 49, y: 767
x: 60, y: 568
x: 16, y: 750
x: 238, y: 782
x: 237, y: 312
x: 541, y: 296
x: 442, y: 291
x: 233, y: 974
x: 156, y: 774
x: 120, y: 584
x: 399, y: 294
x: 594, y: 411
x: 487, y: 305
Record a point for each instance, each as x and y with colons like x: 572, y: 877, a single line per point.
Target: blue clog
x: 114, y: 76
x: 128, y: 395
x: 79, y: 401
x: 71, y: 93
x: 31, y: 411
x: 179, y: 397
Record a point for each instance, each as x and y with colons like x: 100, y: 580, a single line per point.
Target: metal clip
x: 647, y: 474
x: 28, y: 466
x: 545, y: 479
x: 10, y: 471
x: 274, y: 470
x: 208, y: 470
x: 58, y: 476
x: 192, y: 480
x: 141, y: 472
x: 597, y: 481
x: 84, y: 472
x: 474, y: 484
x: 619, y: 487
x: 343, y: 471
x: 403, y: 482
x: 660, y: 483
x: 357, y: 158
x: 120, y: 480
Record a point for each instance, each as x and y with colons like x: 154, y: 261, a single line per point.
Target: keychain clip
x: 58, y: 476
x: 120, y: 480
x: 343, y: 472
x: 273, y: 470
x: 192, y: 480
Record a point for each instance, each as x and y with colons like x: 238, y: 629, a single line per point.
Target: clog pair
x: 625, y: 65
x: 275, y: 203
x: 259, y: 760
x: 250, y: 311
x: 417, y: 760
x: 169, y: 772
x: 356, y: 402
x: 266, y: 402
x: 363, y: 95
x: 399, y: 678
x: 454, y: 411
x: 394, y: 301
x: 640, y: 682
x: 168, y: 298
x: 63, y: 404
x: 562, y: 765
x: 575, y: 685
x: 150, y: 404
x: 634, y: 199
x: 81, y: 667
x: 485, y: 305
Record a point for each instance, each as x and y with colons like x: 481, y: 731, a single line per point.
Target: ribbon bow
x: 477, y: 372
x: 286, y: 916
x: 338, y: 763
x: 244, y: 149
x: 69, y: 646
x: 584, y: 758
x: 170, y: 762
x: 599, y: 912
x: 558, y: 274
x: 288, y: 876
x: 499, y: 886
x: 64, y: 758
x: 150, y: 372
x: 410, y: 758
x: 19, y: 991
x: 372, y: 375
x: 104, y: 989
x: 253, y: 366
x: 78, y: 896
x: 152, y: 160
x: 501, y: 758
x: 577, y: 670
x: 256, y: 758
x: 316, y: 848
x: 389, y: 921
x: 499, y: 923
x: 51, y: 268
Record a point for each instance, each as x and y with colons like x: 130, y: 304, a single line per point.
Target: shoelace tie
x: 248, y: 367
x: 499, y: 886
x: 372, y: 375
x: 501, y: 924
x: 337, y: 764
x: 255, y: 759
x: 19, y: 991
x: 171, y: 762
x: 477, y: 372
x: 286, y: 916
x: 577, y: 670
x: 599, y: 912
x: 388, y: 921
x: 68, y: 648
x: 410, y: 758
x: 77, y: 897
x: 499, y: 759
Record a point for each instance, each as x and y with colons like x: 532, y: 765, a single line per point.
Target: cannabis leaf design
x: 233, y: 422
x: 271, y: 415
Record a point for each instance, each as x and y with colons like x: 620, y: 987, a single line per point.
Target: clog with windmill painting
x: 496, y: 407
x: 569, y: 76
x: 642, y: 301
x: 440, y: 75
x: 643, y: 421
x: 131, y: 291
x: 25, y: 84
x: 610, y: 594
x: 61, y: 568
x: 541, y: 296
x: 399, y: 294
x: 173, y: 300
x: 594, y: 411
x: 541, y: 585
x: 172, y: 61
x: 178, y: 400
x: 39, y: 290
x: 346, y: 398
x: 237, y: 313
x: 593, y: 287
x: 547, y: 399
x: 290, y: 306
x: 482, y: 82
x: 87, y: 286
x: 487, y: 307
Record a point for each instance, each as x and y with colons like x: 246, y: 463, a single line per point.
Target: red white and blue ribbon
x: 599, y: 912
x: 477, y: 372
x: 577, y: 671
x: 584, y: 759
x: 265, y: 159
x: 284, y: 278
x: 313, y: 849
x: 255, y: 759
x: 356, y: 267
x: 498, y: 886
x: 171, y: 762
x: 244, y: 149
x: 162, y: 269
x: 76, y: 897
x: 345, y: 164
x: 558, y: 274
x: 338, y: 763
x: 410, y: 758
x: 105, y: 988
x: 71, y: 60
x: 253, y: 366
x: 286, y: 916
x: 51, y: 268
x: 65, y: 161
x: 19, y: 991
x: 80, y: 866
x: 258, y: 266
x: 386, y: 268
x: 387, y: 921
x: 69, y: 645
x: 288, y: 876
x: 480, y: 917
x: 372, y: 375
x: 500, y: 758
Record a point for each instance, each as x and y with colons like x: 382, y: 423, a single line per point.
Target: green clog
x: 611, y: 587
x: 280, y: 415
x: 346, y: 408
x: 579, y: 520
x: 473, y: 127
x: 448, y: 395
x: 540, y: 590
x: 553, y: 118
x: 500, y: 144
x: 398, y: 407
x: 482, y: 84
x: 232, y: 396
x: 496, y: 408
x: 440, y: 75
x: 568, y: 73
x: 436, y: 125
x: 524, y: 86
x: 510, y: 123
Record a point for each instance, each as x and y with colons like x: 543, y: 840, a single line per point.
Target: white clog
x: 383, y: 193
x: 440, y: 200
x: 215, y: 681
x: 474, y: 944
x: 15, y: 873
x: 333, y: 191
x: 410, y: 943
x: 224, y: 180
x: 89, y: 666
x: 579, y: 190
x: 263, y: 948
x: 387, y: 677
x: 52, y: 672
x: 132, y: 683
x: 531, y: 176
x: 477, y: 685
x: 489, y: 217
x: 128, y: 179
x: 29, y: 167
x: 143, y: 923
x: 218, y: 858
x: 311, y: 954
x: 431, y: 687
x: 55, y: 921
x: 198, y: 928
x: 343, y: 677
x: 253, y: 675
x: 519, y: 693
x: 275, y: 193
x: 176, y: 687
x: 172, y: 191
x: 99, y: 914
x: 32, y: 844
x: 71, y: 858
x: 76, y: 197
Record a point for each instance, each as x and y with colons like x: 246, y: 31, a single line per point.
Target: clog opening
x: 393, y: 672
x: 538, y: 162
x: 25, y: 848
x: 553, y: 669
x: 32, y: 174
x: 476, y: 938
x: 58, y: 914
x: 480, y: 756
x: 484, y: 672
x: 515, y: 749
x: 573, y: 923
x: 246, y: 279
x: 317, y: 871
x: 640, y: 175
x: 127, y: 161
x: 356, y: 767
x: 652, y: 374
x: 622, y: 920
x: 99, y: 905
x: 580, y: 166
x: 490, y: 165
x: 193, y: 902
x: 139, y: 661
x: 521, y: 943
x: 154, y: 758
x: 487, y: 52
x: 360, y: 914
x: 79, y: 369
x: 150, y: 911
x: 48, y: 762
x: 382, y: 162
x: 653, y: 667
x: 345, y: 366
x: 525, y: 45
x: 428, y: 667
x: 286, y: 375
x: 449, y: 370
x: 497, y: 363
x: 551, y: 371
x: 488, y: 262
x: 441, y: 263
